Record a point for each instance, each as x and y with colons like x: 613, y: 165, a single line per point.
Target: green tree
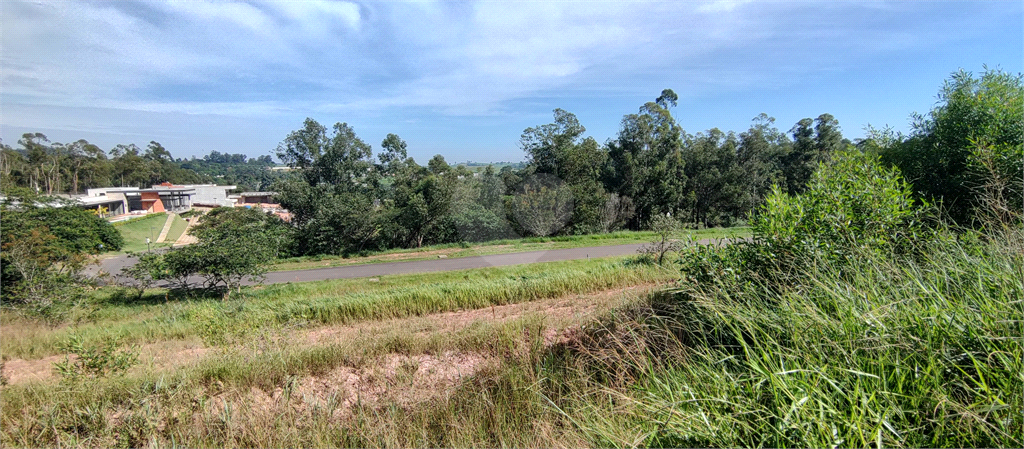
x: 714, y: 179
x: 44, y: 250
x: 333, y: 197
x: 393, y: 157
x: 971, y: 143
x: 814, y: 141
x: 422, y: 200
x: 234, y: 244
x: 559, y: 149
x: 759, y: 156
x: 646, y: 163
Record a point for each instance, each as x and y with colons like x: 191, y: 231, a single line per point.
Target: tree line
x: 345, y: 199
x: 50, y: 168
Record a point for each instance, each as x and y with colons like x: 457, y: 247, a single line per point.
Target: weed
x: 90, y: 361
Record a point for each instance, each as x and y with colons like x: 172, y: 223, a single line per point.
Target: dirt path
x: 559, y: 314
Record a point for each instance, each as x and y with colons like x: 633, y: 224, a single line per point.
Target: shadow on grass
x: 121, y: 296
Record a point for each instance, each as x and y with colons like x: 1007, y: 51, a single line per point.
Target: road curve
x: 461, y: 263
x: 116, y: 264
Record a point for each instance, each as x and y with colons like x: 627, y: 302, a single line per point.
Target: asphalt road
x: 114, y: 265
x: 461, y: 263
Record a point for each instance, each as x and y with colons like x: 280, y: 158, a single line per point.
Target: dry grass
x: 332, y: 385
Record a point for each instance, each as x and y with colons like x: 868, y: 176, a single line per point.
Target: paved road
x: 461, y: 263
x: 115, y: 264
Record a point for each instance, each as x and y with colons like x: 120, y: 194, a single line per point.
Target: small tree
x: 666, y: 228
x: 234, y: 245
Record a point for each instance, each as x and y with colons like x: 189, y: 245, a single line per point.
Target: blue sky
x: 464, y: 79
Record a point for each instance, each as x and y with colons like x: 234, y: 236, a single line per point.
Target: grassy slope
x: 324, y: 302
x: 136, y: 231
x: 177, y: 228
x: 106, y: 411
x: 894, y: 352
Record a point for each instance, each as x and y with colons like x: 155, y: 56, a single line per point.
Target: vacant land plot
x: 321, y: 354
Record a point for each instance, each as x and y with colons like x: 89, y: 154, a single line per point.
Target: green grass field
x: 137, y: 230
x: 177, y: 229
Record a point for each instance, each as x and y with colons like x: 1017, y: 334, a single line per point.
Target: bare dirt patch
x: 561, y: 315
x: 399, y: 379
x: 19, y: 371
x: 160, y: 356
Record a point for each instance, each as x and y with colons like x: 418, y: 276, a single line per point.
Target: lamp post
x: 147, y: 245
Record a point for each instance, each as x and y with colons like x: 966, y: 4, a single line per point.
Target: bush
x: 851, y: 205
x: 234, y: 245
x: 101, y: 360
x: 43, y: 252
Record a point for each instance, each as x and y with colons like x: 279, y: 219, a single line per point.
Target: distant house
x: 109, y: 205
x: 163, y: 197
x: 210, y: 195
x: 263, y: 200
x: 256, y: 197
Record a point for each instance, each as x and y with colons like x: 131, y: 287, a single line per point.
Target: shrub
x: 234, y: 245
x: 666, y: 228
x: 100, y: 360
x: 851, y: 204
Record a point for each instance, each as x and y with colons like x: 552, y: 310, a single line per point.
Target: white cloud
x: 319, y: 16
x: 246, y: 59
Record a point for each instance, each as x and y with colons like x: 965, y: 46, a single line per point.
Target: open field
x: 500, y: 247
x: 156, y: 317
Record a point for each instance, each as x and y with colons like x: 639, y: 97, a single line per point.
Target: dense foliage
x: 845, y: 322
x: 345, y: 200
x: 44, y: 249
x: 51, y: 167
x: 973, y: 139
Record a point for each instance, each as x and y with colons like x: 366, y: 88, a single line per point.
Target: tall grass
x: 918, y: 349
x: 887, y: 351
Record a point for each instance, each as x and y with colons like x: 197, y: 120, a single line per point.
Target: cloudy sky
x: 465, y: 78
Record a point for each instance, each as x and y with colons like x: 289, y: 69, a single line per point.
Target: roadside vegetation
x: 866, y: 309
